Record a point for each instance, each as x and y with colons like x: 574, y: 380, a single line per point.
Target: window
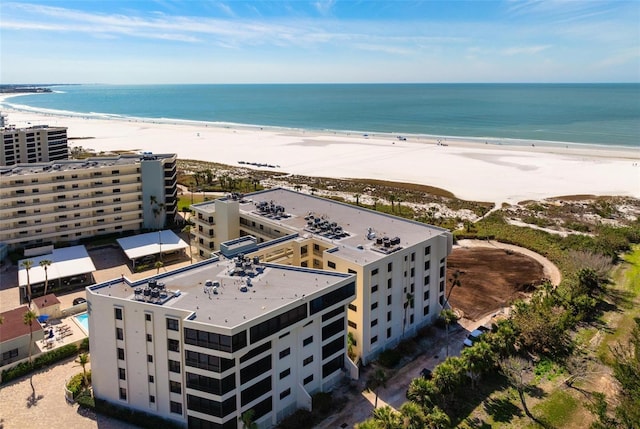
x: 174, y: 366
x: 149, y: 338
x: 255, y: 370
x: 352, y: 324
x: 413, y: 272
x: 389, y: 267
x: 118, y: 313
x: 122, y: 374
x: 172, y: 324
x: 173, y: 345
x: 211, y: 385
x: 307, y: 361
x: 208, y: 362
x: 374, y: 322
x: 151, y: 379
x: 427, y: 265
x: 152, y: 399
x: 147, y: 317
x: 332, y: 347
x: 374, y: 339
x: 255, y: 352
x: 374, y: 271
x: 331, y: 264
x: 150, y: 358
x: 388, y: 316
x: 441, y: 272
x: 285, y: 373
x: 374, y: 288
x: 255, y: 391
x: 413, y: 256
x: 308, y: 380
x: 388, y: 332
x: 284, y: 353
x: 285, y: 393
x: 427, y: 250
x: 425, y: 311
x: 374, y: 305
x: 175, y: 407
x: 120, y: 353
x: 307, y: 341
x: 330, y: 315
x: 442, y: 286
x: 427, y: 280
x: 175, y: 387
x: 389, y: 284
x: 123, y: 393
x: 353, y: 307
x: 333, y: 328
x: 425, y: 296
x: 388, y: 299
x: 332, y: 366
x: 119, y: 334
x: 411, y: 319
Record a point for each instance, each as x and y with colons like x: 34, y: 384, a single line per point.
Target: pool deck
x: 67, y: 330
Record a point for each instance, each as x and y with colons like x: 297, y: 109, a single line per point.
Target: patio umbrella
x: 43, y: 318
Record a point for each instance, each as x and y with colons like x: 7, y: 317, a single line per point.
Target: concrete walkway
x: 45, y: 406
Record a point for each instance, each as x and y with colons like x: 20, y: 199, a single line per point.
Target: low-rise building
x: 400, y: 265
x: 66, y: 201
x: 206, y: 343
x: 39, y: 143
x: 16, y: 337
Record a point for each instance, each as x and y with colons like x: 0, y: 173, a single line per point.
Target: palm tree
x: 157, y: 266
x: 412, y: 416
x: 407, y: 303
x: 45, y: 263
x: 455, y: 281
x: 357, y: 197
x: 351, y: 342
x: 27, y: 264
x: 376, y: 380
x: 187, y: 230
x: 247, y: 419
x: 479, y: 359
x: 448, y: 316
x: 29, y: 317
x: 422, y: 392
x: 83, y: 360
x: 387, y: 418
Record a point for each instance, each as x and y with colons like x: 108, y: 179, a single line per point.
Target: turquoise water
x: 606, y: 114
x: 83, y: 320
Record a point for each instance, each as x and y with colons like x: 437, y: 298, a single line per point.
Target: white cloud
x: 524, y: 50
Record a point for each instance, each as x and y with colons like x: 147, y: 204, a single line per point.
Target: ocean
x: 601, y: 114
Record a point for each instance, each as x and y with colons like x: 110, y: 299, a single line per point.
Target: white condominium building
x: 400, y: 265
x: 66, y: 201
x: 40, y: 143
x: 206, y: 343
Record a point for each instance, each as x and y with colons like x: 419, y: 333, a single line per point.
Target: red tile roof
x: 13, y: 325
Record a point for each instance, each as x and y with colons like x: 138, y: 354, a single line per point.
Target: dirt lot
x: 490, y: 279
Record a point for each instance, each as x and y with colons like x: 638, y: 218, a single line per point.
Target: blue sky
x: 187, y: 41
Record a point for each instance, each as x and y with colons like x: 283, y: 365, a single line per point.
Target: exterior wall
x: 31, y: 145
x: 22, y: 346
x: 76, y: 199
x: 273, y: 374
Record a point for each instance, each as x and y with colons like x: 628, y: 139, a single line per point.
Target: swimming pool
x: 83, y: 321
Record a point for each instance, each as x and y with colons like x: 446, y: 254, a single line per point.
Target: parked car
x: 79, y: 300
x: 426, y: 373
x: 475, y: 335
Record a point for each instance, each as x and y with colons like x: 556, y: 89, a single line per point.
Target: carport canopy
x: 151, y: 243
x: 65, y: 262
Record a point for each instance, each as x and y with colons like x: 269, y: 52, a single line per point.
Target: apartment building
x: 204, y: 344
x: 66, y: 201
x: 40, y: 143
x: 400, y: 265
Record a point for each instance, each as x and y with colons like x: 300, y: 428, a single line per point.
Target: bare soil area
x: 490, y: 279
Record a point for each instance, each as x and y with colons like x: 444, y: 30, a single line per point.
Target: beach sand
x: 471, y: 170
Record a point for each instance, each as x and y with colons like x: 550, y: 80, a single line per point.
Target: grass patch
x: 557, y: 409
x: 547, y: 369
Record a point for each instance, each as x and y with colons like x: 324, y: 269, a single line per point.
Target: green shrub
x: 389, y: 358
x: 84, y: 345
x: 301, y: 419
x: 85, y: 399
x: 76, y: 384
x: 322, y: 403
x: 137, y: 418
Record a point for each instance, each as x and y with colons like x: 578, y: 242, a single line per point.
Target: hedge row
x: 76, y: 384
x: 137, y: 418
x: 41, y: 361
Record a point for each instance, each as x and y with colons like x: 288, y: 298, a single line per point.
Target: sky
x: 401, y: 41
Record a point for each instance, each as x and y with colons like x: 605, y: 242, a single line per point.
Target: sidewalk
x: 359, y: 402
x: 20, y: 408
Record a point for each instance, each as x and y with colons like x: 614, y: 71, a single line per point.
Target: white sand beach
x: 471, y: 170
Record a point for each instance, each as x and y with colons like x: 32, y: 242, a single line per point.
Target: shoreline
x: 468, y: 168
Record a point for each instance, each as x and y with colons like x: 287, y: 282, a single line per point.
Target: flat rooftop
x: 81, y: 164
x: 358, y: 234
x: 219, y: 296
